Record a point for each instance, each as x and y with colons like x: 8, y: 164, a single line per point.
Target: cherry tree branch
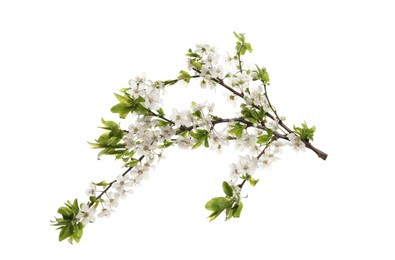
x: 317, y: 151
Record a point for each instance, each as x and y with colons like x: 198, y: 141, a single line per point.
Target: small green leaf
x: 199, y: 133
x: 263, y: 139
x: 75, y: 206
x: 227, y: 189
x: 66, y: 212
x: 140, y: 109
x: 123, y: 99
x: 239, y: 37
x: 248, y: 47
x: 305, y: 132
x: 166, y: 144
x: 102, y: 183
x: 254, y: 114
x: 253, y: 181
x: 229, y: 213
x: 265, y: 76
x: 78, y: 231
x: 160, y: 112
x: 184, y: 76
x: 238, y: 209
x: 161, y: 123
x: 214, y: 215
x: 66, y: 231
x: 122, y: 109
x: 237, y: 130
x: 218, y: 204
x: 206, y: 144
x: 92, y: 199
x: 198, y: 143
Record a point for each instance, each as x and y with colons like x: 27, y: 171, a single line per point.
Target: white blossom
x: 91, y: 191
x: 234, y: 173
x: 86, y: 214
x: 247, y: 165
x: 167, y: 132
x: 141, y: 79
x: 178, y: 118
x: 218, y: 140
x: 217, y: 72
x: 122, y: 184
x: 105, y: 212
x: 136, y: 90
x: 153, y: 100
x: 184, y: 142
x: 147, y: 147
x: 296, y: 143
x: 113, y: 200
x: 247, y: 141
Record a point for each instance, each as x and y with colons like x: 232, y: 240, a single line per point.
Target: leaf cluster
x: 241, y: 45
x: 237, y: 130
x: 201, y: 137
x: 306, y: 133
x: 127, y: 104
x: 195, y: 59
x: 109, y: 141
x: 231, y: 203
x: 262, y: 75
x: 252, y: 114
x: 266, y: 138
x: 68, y: 224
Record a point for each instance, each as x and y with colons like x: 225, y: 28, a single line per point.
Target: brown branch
x: 90, y: 204
x: 320, y: 153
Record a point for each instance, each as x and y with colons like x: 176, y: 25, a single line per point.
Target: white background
x: 331, y: 63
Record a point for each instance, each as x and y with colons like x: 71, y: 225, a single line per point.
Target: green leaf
x: 160, y: 112
x: 78, y: 231
x: 237, y: 210
x: 197, y: 64
x: 198, y: 143
x: 201, y: 136
x: 229, y: 213
x: 250, y: 114
x: 254, y: 114
x: 140, y: 109
x: 123, y: 99
x: 227, y: 189
x: 206, y: 144
x: 248, y: 47
x: 109, y: 125
x: 192, y: 54
x: 166, y: 144
x: 92, y: 199
x: 214, y: 215
x: 237, y: 130
x: 253, y: 181
x: 263, y: 139
x: 218, y: 204
x: 184, y: 76
x: 75, y: 206
x: 305, y: 132
x: 66, y: 212
x: 265, y: 76
x: 239, y: 37
x: 65, y: 232
x: 262, y: 75
x: 198, y: 134
x: 102, y: 183
x: 122, y: 109
x: 161, y: 123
